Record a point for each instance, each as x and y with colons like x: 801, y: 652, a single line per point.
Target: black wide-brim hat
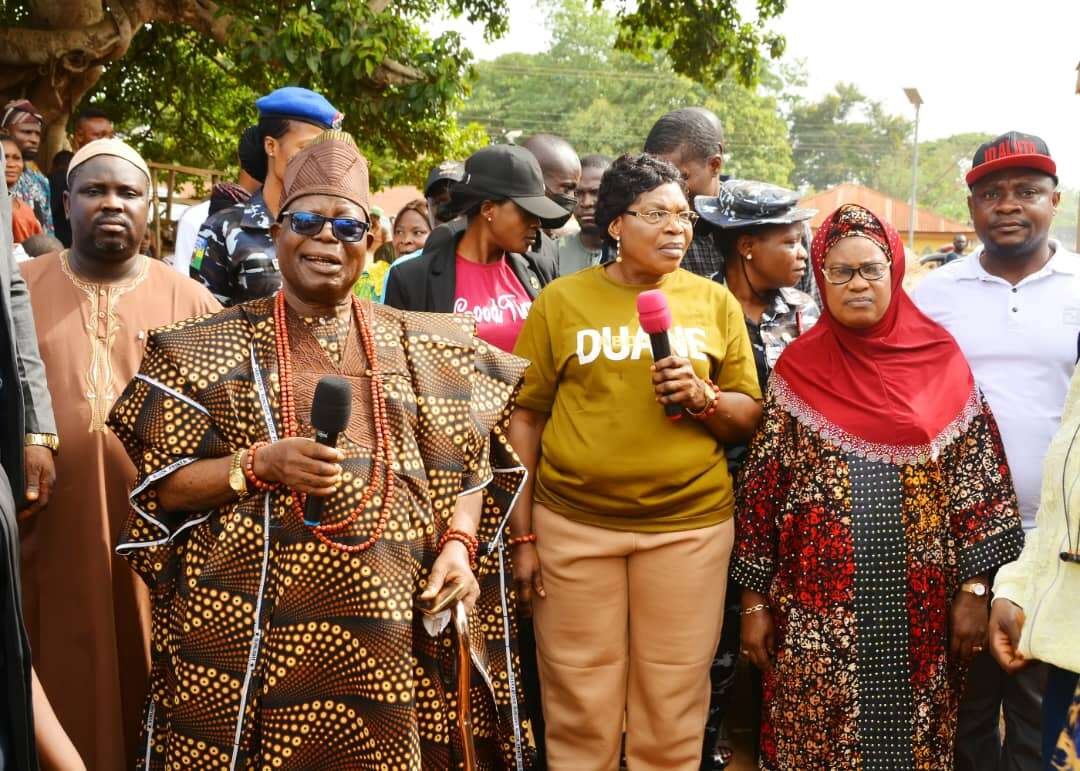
x: 509, y: 172
x: 745, y: 203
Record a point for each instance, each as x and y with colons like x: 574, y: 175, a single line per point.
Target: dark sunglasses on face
x: 308, y: 223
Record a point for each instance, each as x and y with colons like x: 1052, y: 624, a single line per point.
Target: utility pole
x: 916, y: 102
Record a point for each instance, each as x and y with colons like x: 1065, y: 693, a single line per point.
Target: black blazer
x: 428, y: 282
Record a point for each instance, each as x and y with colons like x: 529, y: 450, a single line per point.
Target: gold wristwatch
x: 237, y: 480
x: 52, y: 441
x: 978, y: 588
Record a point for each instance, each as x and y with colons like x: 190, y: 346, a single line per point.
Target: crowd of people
x: 865, y: 496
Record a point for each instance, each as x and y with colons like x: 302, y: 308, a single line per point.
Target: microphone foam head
x: 653, y: 311
x: 332, y: 404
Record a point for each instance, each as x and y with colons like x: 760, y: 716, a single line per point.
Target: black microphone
x: 329, y: 415
x: 655, y: 317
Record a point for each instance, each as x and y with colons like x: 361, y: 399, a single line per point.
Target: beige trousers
x: 627, y: 633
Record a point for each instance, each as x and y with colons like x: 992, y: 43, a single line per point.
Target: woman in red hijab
x: 875, y: 501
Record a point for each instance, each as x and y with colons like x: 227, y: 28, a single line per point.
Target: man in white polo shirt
x: 1014, y: 309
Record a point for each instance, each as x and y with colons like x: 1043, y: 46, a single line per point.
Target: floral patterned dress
x: 860, y: 559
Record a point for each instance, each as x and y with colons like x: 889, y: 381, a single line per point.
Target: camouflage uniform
x: 234, y: 254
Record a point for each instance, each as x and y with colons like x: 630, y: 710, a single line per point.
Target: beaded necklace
x: 381, y: 456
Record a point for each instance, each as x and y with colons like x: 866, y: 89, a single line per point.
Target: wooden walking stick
x: 464, y: 687
x: 448, y: 600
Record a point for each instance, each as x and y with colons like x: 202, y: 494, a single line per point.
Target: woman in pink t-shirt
x: 491, y: 262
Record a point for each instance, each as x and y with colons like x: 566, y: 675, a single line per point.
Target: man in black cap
x: 1014, y: 309
x: 692, y: 140
x: 234, y: 254
x: 437, y: 190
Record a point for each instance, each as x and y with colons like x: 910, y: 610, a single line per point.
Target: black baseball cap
x: 447, y: 171
x: 744, y: 203
x: 511, y: 172
x: 1011, y: 150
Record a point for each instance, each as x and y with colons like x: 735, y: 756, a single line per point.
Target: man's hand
x: 40, y: 477
x: 968, y: 626
x: 302, y: 464
x: 452, y: 567
x: 1006, y: 623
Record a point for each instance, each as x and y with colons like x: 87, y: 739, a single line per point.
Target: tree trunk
x: 58, y: 86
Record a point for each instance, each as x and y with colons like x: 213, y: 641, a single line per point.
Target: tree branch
x: 203, y: 16
x: 21, y: 47
x: 393, y: 73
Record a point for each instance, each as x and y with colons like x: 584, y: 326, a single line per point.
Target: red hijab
x: 900, y: 390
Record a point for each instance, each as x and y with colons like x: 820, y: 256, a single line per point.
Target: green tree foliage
x: 844, y: 137
x: 942, y: 166
x: 181, y: 75
x: 605, y: 100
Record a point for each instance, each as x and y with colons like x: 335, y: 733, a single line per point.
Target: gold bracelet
x: 754, y: 609
x: 52, y: 441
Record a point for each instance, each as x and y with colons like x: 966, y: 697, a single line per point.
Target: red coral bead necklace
x: 381, y: 462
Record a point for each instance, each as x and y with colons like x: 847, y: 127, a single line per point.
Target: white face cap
x: 113, y: 147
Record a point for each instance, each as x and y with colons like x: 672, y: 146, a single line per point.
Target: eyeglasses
x: 842, y: 274
x: 308, y: 223
x: 660, y: 217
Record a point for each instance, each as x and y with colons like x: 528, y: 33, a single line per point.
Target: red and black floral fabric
x: 860, y: 560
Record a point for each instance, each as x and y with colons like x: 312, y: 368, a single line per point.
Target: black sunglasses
x: 308, y: 223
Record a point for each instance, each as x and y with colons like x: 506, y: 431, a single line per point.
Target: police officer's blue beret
x: 297, y: 103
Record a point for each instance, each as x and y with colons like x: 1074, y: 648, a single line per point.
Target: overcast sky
x: 980, y: 65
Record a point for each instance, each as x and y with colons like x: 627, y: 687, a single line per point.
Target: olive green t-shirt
x: 609, y: 456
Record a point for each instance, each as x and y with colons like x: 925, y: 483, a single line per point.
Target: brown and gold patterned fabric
x: 271, y: 649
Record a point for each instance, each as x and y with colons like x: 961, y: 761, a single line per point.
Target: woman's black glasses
x: 308, y: 223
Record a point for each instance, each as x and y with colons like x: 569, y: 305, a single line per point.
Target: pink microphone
x: 655, y: 317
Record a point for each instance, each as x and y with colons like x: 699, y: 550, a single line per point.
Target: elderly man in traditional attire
x: 86, y: 612
x: 284, y: 644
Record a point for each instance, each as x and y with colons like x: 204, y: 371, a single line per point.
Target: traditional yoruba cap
x: 447, y: 171
x: 295, y: 103
x: 113, y: 147
x: 330, y: 165
x: 745, y: 203
x: 20, y: 111
x: 1011, y: 151
x: 511, y: 172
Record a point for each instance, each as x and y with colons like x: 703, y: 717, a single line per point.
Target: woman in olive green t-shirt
x: 631, y: 511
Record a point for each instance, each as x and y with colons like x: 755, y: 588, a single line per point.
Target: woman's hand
x: 1006, y: 623
x: 452, y: 567
x: 302, y: 464
x: 527, y: 577
x: 676, y: 383
x: 968, y: 626
x: 757, y: 632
